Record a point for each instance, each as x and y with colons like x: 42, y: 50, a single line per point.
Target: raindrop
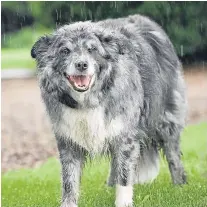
x: 181, y: 50
x: 201, y: 25
x: 90, y: 14
x: 4, y: 38
x: 71, y: 12
x: 117, y: 8
x: 60, y: 15
x: 56, y: 14
x: 184, y: 4
x: 9, y: 40
x: 31, y: 7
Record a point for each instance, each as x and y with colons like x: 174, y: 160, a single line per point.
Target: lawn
x: 16, y: 47
x: 16, y: 59
x: 40, y: 187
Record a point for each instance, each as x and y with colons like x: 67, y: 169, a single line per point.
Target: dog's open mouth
x: 80, y: 83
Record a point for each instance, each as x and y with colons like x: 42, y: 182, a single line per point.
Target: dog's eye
x: 107, y: 39
x: 92, y: 49
x: 107, y: 56
x: 65, y: 51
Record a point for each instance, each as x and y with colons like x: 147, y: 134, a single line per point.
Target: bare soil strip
x: 27, y: 140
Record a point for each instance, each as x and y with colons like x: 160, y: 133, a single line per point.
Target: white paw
x: 70, y: 204
x: 124, y: 205
x: 124, y: 196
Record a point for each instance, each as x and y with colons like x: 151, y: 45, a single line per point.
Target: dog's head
x: 78, y: 59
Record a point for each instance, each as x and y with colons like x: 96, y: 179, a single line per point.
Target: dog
x: 113, y: 87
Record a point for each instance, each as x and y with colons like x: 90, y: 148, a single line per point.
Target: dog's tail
x: 148, y: 164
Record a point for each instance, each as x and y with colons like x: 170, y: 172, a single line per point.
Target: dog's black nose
x: 81, y: 65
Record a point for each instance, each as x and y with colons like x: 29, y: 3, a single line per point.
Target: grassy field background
x: 16, y: 47
x: 40, y: 187
x: 16, y: 59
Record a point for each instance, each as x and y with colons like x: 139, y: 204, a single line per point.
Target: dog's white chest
x: 88, y: 128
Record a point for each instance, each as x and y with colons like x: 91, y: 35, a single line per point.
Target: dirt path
x: 196, y: 83
x: 26, y: 136
x: 27, y: 140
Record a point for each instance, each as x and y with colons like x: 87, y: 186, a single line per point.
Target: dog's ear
x: 115, y: 41
x: 103, y: 46
x: 40, y: 46
x: 103, y: 38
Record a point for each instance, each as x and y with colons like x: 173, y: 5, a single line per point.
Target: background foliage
x: 184, y: 22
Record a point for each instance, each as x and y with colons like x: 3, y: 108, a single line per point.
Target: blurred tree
x: 14, y: 16
x: 184, y: 22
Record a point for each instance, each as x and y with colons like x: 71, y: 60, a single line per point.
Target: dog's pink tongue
x: 81, y: 80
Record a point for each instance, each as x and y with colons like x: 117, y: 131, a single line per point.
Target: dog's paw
x: 180, y: 178
x: 124, y: 204
x: 70, y: 204
x: 124, y: 196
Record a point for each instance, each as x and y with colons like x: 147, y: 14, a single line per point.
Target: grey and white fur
x: 131, y: 104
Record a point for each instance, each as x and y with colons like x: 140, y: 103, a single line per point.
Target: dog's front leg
x: 72, y: 160
x: 125, y: 155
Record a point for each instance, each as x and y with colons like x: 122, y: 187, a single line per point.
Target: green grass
x: 40, y: 187
x: 23, y: 38
x: 16, y: 46
x: 17, y: 59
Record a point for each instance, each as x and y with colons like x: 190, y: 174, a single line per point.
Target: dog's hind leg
x: 170, y: 141
x: 112, y: 175
x: 148, y: 165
